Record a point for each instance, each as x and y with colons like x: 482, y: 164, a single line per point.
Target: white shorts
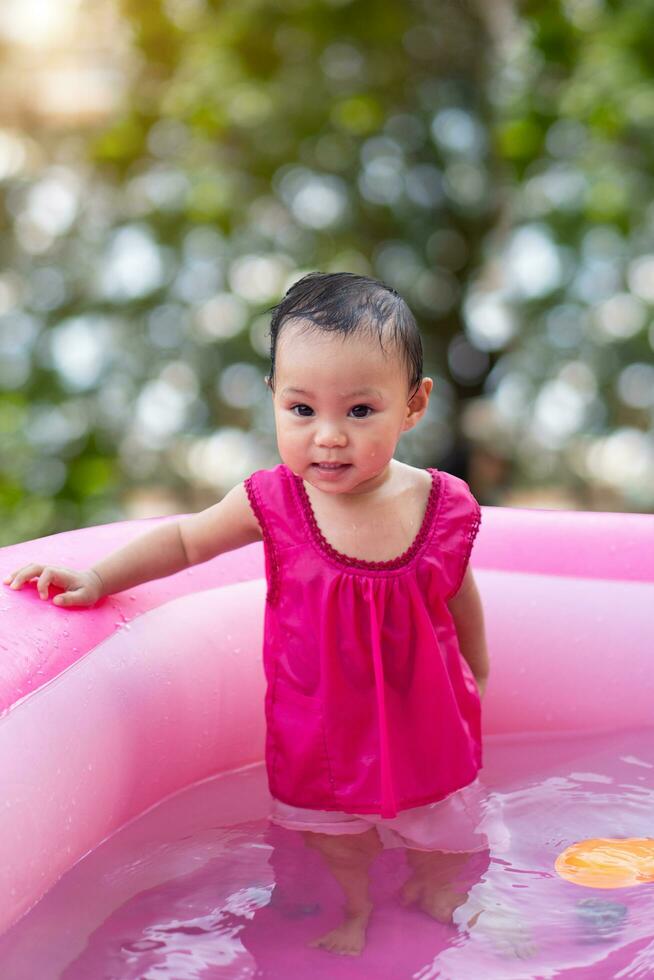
x: 455, y: 823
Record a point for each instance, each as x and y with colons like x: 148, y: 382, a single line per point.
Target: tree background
x: 168, y: 169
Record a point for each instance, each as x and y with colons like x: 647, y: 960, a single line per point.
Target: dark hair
x: 347, y: 303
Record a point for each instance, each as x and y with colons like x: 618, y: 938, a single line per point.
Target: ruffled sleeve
x: 458, y: 522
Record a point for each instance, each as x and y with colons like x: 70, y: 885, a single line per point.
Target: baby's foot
x: 437, y: 900
x: 349, y: 938
x: 410, y: 892
x: 441, y: 902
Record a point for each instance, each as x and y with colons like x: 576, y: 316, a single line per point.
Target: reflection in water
x: 204, y: 886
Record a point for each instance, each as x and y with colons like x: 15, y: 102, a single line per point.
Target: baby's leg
x: 348, y: 857
x: 441, y: 880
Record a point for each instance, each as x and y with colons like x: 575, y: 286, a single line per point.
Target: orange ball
x: 608, y: 862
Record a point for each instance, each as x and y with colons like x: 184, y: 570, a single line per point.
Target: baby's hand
x: 82, y: 588
x: 481, y: 685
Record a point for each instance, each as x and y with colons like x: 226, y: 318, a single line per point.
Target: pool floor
x: 202, y: 886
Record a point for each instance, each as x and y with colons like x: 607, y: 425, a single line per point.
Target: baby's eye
x: 367, y: 408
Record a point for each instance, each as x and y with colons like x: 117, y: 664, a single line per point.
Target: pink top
x: 370, y: 706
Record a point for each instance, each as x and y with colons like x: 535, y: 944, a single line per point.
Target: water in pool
x: 202, y: 886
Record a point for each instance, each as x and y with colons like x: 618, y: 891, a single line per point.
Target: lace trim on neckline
x: 348, y: 560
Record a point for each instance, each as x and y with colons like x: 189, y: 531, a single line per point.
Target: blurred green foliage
x: 574, y: 107
x: 498, y: 173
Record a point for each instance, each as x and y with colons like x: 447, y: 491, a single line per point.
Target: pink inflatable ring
x: 104, y: 712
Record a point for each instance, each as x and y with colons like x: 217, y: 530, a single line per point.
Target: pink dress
x: 370, y: 706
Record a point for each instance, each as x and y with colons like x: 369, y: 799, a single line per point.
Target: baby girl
x: 374, y: 647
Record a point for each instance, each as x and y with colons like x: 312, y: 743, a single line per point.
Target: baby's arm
x: 174, y: 546
x: 163, y: 551
x: 468, y: 615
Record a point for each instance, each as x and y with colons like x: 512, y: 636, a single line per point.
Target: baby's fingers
x: 16, y: 579
x: 45, y: 575
x: 83, y: 596
x: 64, y: 578
x: 76, y: 597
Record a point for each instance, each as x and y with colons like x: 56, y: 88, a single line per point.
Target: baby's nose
x: 331, y: 436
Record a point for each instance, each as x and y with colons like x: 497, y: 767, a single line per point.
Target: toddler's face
x: 332, y: 419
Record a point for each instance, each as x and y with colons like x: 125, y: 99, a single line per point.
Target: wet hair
x: 342, y: 302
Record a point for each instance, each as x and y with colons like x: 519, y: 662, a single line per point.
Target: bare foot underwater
x: 438, y: 901
x: 348, y: 857
x: 349, y: 938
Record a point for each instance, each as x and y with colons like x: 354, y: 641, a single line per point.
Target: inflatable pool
x: 138, y: 725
